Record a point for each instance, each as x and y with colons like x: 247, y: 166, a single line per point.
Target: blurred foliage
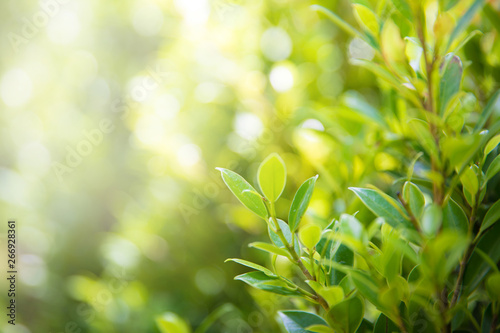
x: 115, y: 114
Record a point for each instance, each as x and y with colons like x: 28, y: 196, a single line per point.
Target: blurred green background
x: 114, y: 115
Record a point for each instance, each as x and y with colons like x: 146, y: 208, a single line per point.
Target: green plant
x: 428, y: 261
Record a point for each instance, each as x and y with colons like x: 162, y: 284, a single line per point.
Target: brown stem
x: 407, y: 207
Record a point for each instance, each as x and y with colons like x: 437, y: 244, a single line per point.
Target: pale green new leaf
x: 245, y: 193
x: 272, y: 177
x: 491, y: 144
x: 414, y: 197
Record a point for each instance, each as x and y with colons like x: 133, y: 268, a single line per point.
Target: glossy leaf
x: 269, y: 248
x: 493, y: 169
x: 432, y: 219
x: 252, y: 265
x: 244, y: 192
x: 298, y: 321
x: 286, y: 232
x: 383, y: 206
x: 347, y: 315
x: 454, y: 217
x: 264, y: 282
x: 300, y: 203
x: 492, y: 216
x: 272, y: 177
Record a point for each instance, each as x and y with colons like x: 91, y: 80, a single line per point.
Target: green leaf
x: 355, y: 102
x: 460, y: 150
x: 404, y: 8
x: 491, y: 144
x: 331, y: 294
x: 252, y: 265
x: 464, y: 21
x: 337, y: 20
x: 385, y: 325
x: 298, y: 321
x: 451, y: 78
x: 421, y: 132
x: 320, y: 329
x: 286, y: 232
x: 432, y: 219
x: 492, y: 216
x: 272, y: 177
x: 493, y: 169
x: 266, y: 247
x: 347, y: 315
x: 454, y: 217
x: 470, y: 182
x: 477, y: 267
x: 493, y: 286
x: 301, y: 202
x: 310, y: 235
x: 366, y: 18
x: 415, y: 198
x: 264, y: 282
x: 245, y: 193
x: 383, y: 206
x: 170, y: 322
x: 488, y: 110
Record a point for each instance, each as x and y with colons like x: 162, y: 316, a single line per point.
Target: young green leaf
x: 366, y: 18
x: 272, y: 177
x: 346, y: 316
x: 310, y: 235
x: 383, y: 206
x: 245, y: 193
x: 432, y: 219
x: 469, y: 181
x: 492, y: 216
x: 415, y: 198
x: 252, y: 265
x: 404, y: 8
x: 493, y: 286
x: 266, y: 247
x: 170, y: 322
x: 299, y: 321
x: 449, y: 85
x: 262, y: 281
x: 337, y: 20
x: 331, y: 294
x: 493, y: 169
x: 319, y: 329
x: 491, y: 144
x: 301, y: 202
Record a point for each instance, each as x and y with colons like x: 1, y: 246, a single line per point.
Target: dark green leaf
x: 301, y: 202
x: 385, y: 325
x: 454, y: 217
x: 488, y: 110
x: 492, y: 216
x: 298, y: 321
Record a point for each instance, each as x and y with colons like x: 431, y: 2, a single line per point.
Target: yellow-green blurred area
x: 114, y: 115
